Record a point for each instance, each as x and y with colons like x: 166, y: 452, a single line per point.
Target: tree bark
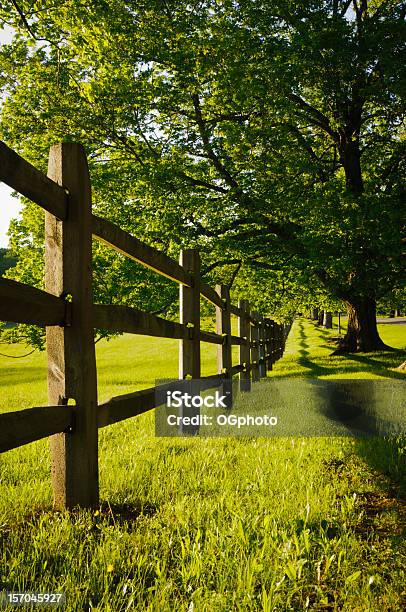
x: 351, y: 160
x: 327, y: 319
x: 362, y: 331
x: 315, y: 314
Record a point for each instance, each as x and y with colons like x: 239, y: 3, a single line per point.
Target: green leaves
x: 268, y: 132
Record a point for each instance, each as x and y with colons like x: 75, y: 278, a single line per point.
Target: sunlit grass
x: 228, y: 524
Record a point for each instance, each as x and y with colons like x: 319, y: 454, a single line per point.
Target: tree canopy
x: 268, y: 134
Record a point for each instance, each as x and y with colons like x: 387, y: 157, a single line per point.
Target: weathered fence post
x: 268, y: 345
x: 71, y: 353
x: 189, y: 353
x: 255, y: 347
x: 277, y: 341
x: 223, y: 328
x: 272, y: 342
x: 244, y: 331
x: 262, y: 351
x: 189, y: 349
x: 280, y: 339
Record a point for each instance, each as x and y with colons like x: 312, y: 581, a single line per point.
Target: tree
x: 268, y: 133
x: 328, y: 319
x: 6, y: 261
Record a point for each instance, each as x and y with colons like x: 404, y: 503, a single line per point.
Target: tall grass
x: 209, y: 524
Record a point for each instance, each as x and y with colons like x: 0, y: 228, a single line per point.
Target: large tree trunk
x: 351, y: 160
x: 362, y: 332
x: 315, y: 314
x: 328, y: 319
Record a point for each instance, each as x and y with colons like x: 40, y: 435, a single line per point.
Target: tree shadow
x: 379, y: 364
x: 386, y: 455
x: 379, y: 367
x: 314, y: 370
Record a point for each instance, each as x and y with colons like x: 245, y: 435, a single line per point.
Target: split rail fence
x: 67, y: 311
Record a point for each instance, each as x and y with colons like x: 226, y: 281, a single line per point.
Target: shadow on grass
x: 314, y: 370
x: 381, y: 364
x: 384, y: 454
x: 124, y: 515
x: 388, y: 456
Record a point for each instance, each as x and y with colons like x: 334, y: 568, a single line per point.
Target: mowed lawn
x: 210, y: 524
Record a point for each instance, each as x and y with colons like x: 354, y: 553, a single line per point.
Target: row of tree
x: 268, y: 134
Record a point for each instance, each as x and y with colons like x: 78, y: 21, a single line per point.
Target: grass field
x: 211, y: 524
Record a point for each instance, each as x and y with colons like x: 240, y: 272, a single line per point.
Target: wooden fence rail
x: 67, y: 311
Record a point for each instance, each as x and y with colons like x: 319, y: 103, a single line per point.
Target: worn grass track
x: 210, y: 525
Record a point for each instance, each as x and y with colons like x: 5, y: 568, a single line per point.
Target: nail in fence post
x: 70, y: 350
x: 223, y: 327
x: 189, y: 349
x: 244, y: 331
x: 255, y: 347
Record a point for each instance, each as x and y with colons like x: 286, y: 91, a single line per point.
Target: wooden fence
x: 67, y: 311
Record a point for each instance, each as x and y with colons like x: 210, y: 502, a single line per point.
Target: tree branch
x: 28, y: 27
x: 217, y: 264
x: 234, y: 275
x: 345, y: 7
x: 221, y: 169
x: 314, y: 114
x: 201, y: 183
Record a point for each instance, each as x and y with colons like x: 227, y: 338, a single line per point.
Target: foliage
x: 6, y: 261
x: 268, y: 133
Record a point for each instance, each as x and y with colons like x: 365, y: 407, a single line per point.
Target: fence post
x: 268, y: 345
x: 70, y: 350
x: 280, y: 340
x: 276, y: 341
x: 189, y: 353
x: 244, y: 331
x: 189, y: 349
x: 272, y: 342
x: 255, y: 347
x: 262, y: 353
x: 223, y: 327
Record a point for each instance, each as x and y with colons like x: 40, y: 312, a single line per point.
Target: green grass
x: 309, y: 348
x: 210, y: 524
